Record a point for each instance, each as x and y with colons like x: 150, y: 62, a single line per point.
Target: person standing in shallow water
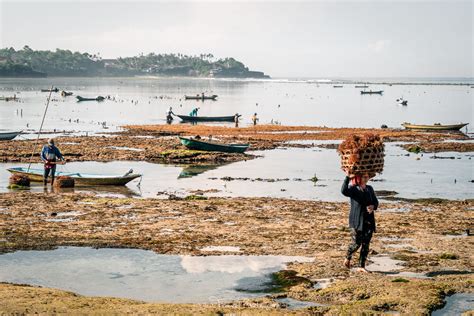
x: 50, y: 154
x: 361, y: 217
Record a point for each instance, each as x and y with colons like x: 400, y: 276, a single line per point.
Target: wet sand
x: 428, y: 237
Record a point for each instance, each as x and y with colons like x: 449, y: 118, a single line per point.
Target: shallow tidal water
x: 291, y: 102
x: 145, y: 275
x: 283, y: 173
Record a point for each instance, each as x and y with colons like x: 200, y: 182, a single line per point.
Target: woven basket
x: 19, y: 180
x: 368, y: 160
x: 64, y: 182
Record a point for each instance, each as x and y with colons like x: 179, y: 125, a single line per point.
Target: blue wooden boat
x: 197, y: 144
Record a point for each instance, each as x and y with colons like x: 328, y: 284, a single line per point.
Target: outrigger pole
x: 41, y: 127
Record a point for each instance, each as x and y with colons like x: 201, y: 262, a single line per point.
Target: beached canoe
x: 372, y: 92
x: 196, y: 144
x: 435, y: 127
x: 8, y: 135
x: 80, y: 99
x: 200, y: 97
x: 36, y: 175
x: 187, y: 118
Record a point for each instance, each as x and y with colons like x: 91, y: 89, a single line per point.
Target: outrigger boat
x: 99, y: 98
x: 197, y: 144
x: 435, y: 127
x: 201, y: 97
x: 187, y: 118
x: 81, y: 179
x: 372, y: 92
x: 9, y: 135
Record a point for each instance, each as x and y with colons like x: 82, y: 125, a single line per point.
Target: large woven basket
x: 368, y: 160
x: 362, y: 154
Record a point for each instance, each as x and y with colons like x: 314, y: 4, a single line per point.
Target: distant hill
x: 36, y: 63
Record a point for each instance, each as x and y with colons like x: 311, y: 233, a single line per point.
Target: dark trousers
x: 47, y: 172
x: 360, y: 239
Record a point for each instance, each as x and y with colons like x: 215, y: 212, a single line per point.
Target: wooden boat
x: 338, y: 86
x: 197, y: 144
x: 36, y: 175
x: 435, y: 127
x: 66, y: 93
x: 363, y: 86
x: 201, y: 97
x: 8, y: 135
x: 50, y: 90
x: 187, y: 118
x: 14, y: 98
x: 80, y: 99
x: 372, y: 92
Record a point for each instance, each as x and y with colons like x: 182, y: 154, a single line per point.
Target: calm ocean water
x: 288, y: 101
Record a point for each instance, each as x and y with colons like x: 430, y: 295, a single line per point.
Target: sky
x: 350, y: 38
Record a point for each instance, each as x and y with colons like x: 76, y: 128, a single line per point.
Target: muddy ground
x: 427, y: 236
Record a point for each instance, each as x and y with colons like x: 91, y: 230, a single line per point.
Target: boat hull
x: 187, y: 118
x: 8, y: 135
x: 206, y: 146
x: 80, y: 99
x: 372, y: 92
x: 453, y: 127
x: 195, y: 97
x: 36, y: 175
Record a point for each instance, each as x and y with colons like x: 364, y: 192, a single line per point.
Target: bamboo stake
x: 41, y: 127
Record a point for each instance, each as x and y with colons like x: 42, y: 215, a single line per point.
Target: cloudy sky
x: 283, y: 38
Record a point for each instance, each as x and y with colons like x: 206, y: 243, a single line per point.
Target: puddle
x: 145, y: 275
x: 384, y: 264
x: 323, y: 283
x: 293, y: 304
x: 407, y: 274
x: 456, y: 305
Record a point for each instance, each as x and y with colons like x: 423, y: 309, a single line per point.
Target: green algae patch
x: 194, y: 197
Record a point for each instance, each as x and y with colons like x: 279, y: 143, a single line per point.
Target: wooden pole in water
x: 41, y: 127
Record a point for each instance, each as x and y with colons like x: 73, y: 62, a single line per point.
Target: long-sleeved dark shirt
x: 359, y: 218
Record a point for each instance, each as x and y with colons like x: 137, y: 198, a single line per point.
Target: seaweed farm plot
x: 145, y: 275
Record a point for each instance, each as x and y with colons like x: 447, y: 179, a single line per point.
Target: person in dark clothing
x: 50, y: 154
x: 361, y: 217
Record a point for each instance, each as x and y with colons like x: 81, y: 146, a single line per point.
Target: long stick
x: 41, y: 127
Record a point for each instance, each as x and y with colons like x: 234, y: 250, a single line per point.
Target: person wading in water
x: 361, y: 217
x: 50, y: 154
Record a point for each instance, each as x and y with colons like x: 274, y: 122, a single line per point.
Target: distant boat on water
x: 435, y: 127
x: 187, y: 118
x: 66, y: 93
x: 201, y: 97
x: 380, y: 92
x: 99, y: 98
x: 13, y: 98
x: 50, y: 90
x: 361, y: 86
x: 338, y: 86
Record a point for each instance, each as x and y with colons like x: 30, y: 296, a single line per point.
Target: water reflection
x: 190, y: 171
x: 142, y: 275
